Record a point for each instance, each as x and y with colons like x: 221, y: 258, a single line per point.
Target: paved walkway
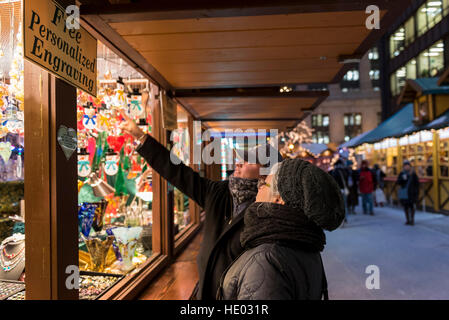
x: 413, y: 260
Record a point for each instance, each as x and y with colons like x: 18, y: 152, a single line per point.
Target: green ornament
x: 120, y: 187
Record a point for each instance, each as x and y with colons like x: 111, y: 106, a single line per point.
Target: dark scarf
x: 276, y: 223
x: 243, y: 191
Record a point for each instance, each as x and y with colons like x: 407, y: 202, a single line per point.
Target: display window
x: 115, y: 199
x: 179, y: 143
x: 387, y: 157
x: 419, y: 152
x: 12, y: 215
x: 444, y: 152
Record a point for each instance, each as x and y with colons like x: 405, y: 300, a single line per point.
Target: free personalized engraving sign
x: 70, y: 54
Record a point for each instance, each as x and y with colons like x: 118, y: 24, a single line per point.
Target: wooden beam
x: 265, y: 92
x: 247, y: 119
x: 196, y: 9
x: 103, y: 32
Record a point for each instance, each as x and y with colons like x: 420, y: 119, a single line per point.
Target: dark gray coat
x: 273, y: 272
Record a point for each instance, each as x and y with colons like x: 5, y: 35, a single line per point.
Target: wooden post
x: 436, y: 170
x: 50, y: 186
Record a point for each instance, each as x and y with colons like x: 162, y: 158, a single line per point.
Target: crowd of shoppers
x: 370, y: 183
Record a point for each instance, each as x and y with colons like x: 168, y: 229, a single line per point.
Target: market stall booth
x: 319, y: 154
x: 89, y: 203
x: 416, y: 133
x: 109, y: 226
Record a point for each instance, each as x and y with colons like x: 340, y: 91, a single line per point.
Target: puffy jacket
x: 272, y: 271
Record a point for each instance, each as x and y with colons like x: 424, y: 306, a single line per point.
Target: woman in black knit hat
x: 283, y: 236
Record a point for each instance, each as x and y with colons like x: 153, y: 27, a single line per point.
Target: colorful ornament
x: 90, y: 119
x: 111, y: 164
x: 5, y: 151
x: 84, y: 168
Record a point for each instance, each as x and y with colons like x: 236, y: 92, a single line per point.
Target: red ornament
x: 116, y: 143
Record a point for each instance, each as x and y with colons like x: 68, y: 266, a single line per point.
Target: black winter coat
x: 272, y: 271
x: 221, y: 241
x: 413, y: 189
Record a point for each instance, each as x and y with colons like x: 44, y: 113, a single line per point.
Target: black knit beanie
x: 305, y: 186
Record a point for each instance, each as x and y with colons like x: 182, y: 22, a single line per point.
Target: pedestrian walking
x: 353, y: 185
x: 366, y: 185
x: 223, y: 202
x: 408, y: 191
x: 283, y: 236
x: 379, y: 195
x: 340, y: 174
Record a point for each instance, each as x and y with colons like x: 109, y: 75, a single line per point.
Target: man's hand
x: 130, y: 127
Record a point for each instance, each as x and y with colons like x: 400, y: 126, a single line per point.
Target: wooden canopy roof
x: 195, y: 49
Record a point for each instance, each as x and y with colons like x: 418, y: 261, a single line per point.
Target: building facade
x: 415, y: 46
x: 353, y: 105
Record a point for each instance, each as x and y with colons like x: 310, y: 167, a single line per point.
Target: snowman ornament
x: 90, y: 118
x: 84, y: 168
x: 111, y: 164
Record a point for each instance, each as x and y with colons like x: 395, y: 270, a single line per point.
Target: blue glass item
x: 86, y: 214
x: 114, y: 245
x: 127, y: 242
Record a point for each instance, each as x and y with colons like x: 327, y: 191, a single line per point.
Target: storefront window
x: 444, y: 158
x: 114, y: 182
x: 181, y: 148
x: 420, y: 156
x: 12, y: 215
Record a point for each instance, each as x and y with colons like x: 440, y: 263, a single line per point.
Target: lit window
x: 373, y: 54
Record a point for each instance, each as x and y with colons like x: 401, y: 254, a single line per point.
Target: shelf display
x: 420, y: 156
x: 115, y: 184
x: 444, y: 158
x: 94, y: 285
x: 10, y: 288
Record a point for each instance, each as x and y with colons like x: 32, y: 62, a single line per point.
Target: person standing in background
x: 353, y: 186
x: 340, y: 175
x: 366, y: 185
x: 379, y: 195
x: 408, y: 192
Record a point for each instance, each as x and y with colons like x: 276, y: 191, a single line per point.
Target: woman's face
x: 264, y: 193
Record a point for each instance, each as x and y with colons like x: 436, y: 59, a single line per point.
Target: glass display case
x: 180, y: 144
x: 115, y: 183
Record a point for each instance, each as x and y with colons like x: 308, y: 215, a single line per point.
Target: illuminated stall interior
x: 12, y: 214
x: 417, y: 133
